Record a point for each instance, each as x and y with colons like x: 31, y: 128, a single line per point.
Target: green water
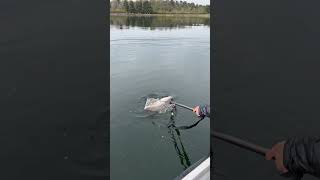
x: 157, y: 56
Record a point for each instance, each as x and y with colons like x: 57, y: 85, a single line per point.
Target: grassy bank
x: 160, y: 14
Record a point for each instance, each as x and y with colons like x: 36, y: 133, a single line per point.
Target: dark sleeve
x: 302, y: 155
x: 205, y: 110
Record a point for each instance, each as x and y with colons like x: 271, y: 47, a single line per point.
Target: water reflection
x: 158, y: 22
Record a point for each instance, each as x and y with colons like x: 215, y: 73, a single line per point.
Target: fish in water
x: 159, y: 105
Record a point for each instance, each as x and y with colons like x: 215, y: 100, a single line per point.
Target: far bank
x: 157, y: 14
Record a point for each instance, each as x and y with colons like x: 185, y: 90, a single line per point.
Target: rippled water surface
x: 155, y: 57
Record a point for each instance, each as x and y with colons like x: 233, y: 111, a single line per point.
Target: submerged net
x: 159, y: 105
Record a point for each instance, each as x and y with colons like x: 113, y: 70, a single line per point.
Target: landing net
x: 159, y: 105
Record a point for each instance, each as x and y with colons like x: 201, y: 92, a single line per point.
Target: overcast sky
x: 203, y: 2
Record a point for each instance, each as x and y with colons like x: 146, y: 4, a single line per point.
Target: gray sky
x: 203, y: 2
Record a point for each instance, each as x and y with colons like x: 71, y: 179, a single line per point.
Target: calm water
x: 157, y: 57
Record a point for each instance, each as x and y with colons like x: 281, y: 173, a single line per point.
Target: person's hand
x: 276, y: 154
x: 197, y: 111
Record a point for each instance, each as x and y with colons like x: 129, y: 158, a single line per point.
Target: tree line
x: 158, y: 22
x: 157, y: 7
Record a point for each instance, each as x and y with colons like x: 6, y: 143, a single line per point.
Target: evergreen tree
x: 126, y: 5
x: 147, y: 8
x: 139, y: 6
x: 131, y: 7
x: 172, y: 3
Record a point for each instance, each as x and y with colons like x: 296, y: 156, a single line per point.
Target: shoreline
x: 168, y: 15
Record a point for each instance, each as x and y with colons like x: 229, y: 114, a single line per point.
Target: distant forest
x: 157, y: 7
x: 158, y: 22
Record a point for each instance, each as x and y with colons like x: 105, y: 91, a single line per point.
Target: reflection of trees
x: 158, y: 22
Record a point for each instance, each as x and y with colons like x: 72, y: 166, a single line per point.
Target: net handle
x: 240, y: 143
x: 183, y: 106
x: 233, y: 140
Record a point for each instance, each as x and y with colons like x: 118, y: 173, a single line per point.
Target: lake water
x: 155, y: 57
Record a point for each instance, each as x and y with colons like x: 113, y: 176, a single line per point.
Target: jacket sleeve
x: 302, y: 156
x: 208, y: 111
x: 205, y: 110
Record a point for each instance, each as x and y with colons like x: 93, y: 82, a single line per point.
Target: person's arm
x: 302, y: 155
x: 202, y: 111
x: 297, y: 156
